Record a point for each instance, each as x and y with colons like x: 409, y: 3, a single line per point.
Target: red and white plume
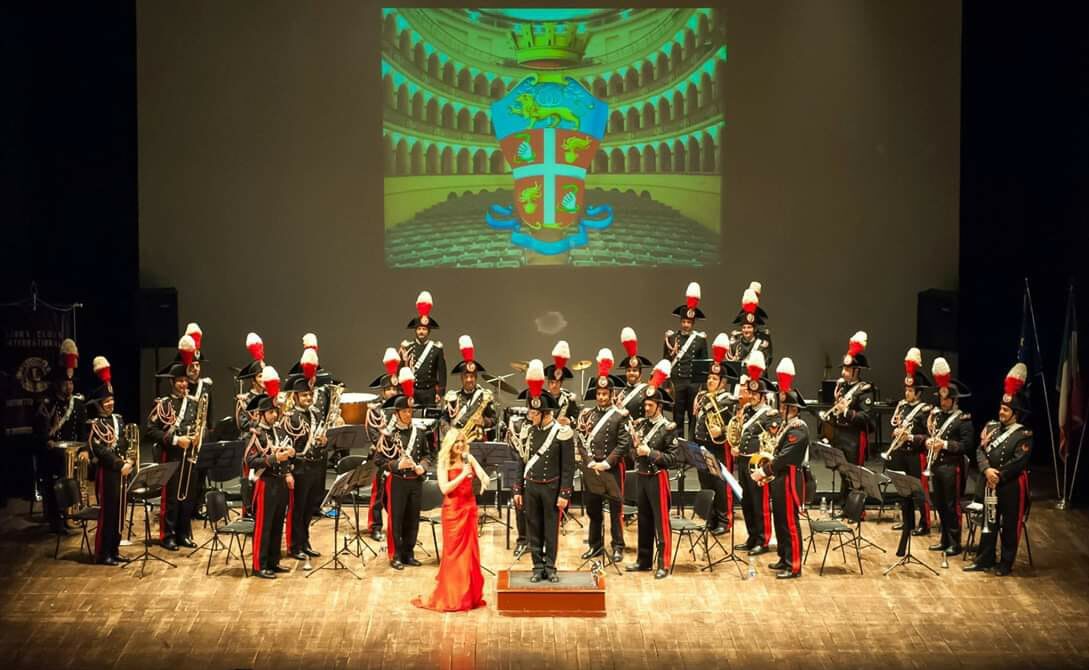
x: 101, y: 366
x: 856, y: 346
x: 194, y: 331
x: 270, y: 380
x: 561, y: 353
x: 1015, y: 379
x: 661, y: 373
x: 720, y: 346
x: 941, y: 372
x: 755, y: 287
x: 465, y: 344
x: 692, y: 295
x: 912, y: 360
x: 69, y: 355
x: 535, y: 378
x: 755, y: 364
x: 391, y: 360
x: 750, y: 301
x: 187, y: 349
x: 424, y: 303
x: 784, y: 373
x: 604, y: 362
x: 629, y: 341
x: 256, y: 346
x: 310, y: 341
x: 407, y: 381
x: 309, y: 363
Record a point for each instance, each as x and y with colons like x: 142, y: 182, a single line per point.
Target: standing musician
x: 471, y: 399
x: 784, y: 474
x: 948, y: 440
x: 320, y: 381
x: 606, y: 439
x: 198, y: 385
x: 850, y: 416
x: 424, y: 356
x: 712, y: 410
x: 545, y: 486
x: 251, y: 373
x: 748, y: 337
x: 909, y: 423
x: 654, y: 441
x: 61, y: 417
x: 758, y: 417
x: 567, y: 409
x: 681, y: 348
x: 630, y: 398
x: 305, y: 425
x: 1003, y: 459
x: 108, y: 450
x: 268, y: 459
x: 406, y: 452
x: 518, y: 427
x: 378, y: 418
x: 171, y: 427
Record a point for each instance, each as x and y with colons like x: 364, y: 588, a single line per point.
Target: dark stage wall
x: 259, y: 139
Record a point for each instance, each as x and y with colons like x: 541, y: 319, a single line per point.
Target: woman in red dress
x: 460, y: 583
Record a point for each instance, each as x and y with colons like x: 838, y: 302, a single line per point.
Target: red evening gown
x: 460, y: 583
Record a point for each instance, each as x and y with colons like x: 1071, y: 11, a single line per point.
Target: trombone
x: 196, y: 439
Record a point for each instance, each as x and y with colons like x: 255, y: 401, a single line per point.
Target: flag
x: 1028, y: 351
x: 1069, y: 382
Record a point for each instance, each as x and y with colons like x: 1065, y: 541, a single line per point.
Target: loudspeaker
x: 936, y: 320
x: 158, y: 321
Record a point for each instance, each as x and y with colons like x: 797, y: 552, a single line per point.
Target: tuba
x: 331, y: 416
x: 715, y: 428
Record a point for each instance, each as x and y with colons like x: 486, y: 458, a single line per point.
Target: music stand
x: 907, y: 486
x: 703, y: 460
x: 511, y: 471
x: 342, y: 486
x: 491, y: 456
x: 834, y: 460
x: 152, y: 477
x: 362, y: 476
x: 606, y: 487
x: 867, y: 481
x: 349, y: 438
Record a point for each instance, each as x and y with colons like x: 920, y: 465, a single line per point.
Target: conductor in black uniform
x: 681, y: 349
x: 425, y: 356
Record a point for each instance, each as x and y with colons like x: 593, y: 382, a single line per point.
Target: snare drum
x: 353, y: 407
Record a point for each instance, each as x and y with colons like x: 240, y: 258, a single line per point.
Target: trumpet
x: 131, y: 433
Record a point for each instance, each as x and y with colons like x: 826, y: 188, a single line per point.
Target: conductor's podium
x: 576, y: 594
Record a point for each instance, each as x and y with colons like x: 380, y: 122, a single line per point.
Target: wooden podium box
x: 579, y: 594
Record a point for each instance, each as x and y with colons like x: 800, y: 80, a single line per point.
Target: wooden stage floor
x: 68, y: 613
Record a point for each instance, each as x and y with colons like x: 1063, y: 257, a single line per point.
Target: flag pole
x: 1047, y: 405
x: 1077, y: 459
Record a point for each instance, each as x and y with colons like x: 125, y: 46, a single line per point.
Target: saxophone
x: 196, y: 439
x: 473, y: 427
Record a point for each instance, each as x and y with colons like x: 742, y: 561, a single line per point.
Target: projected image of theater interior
x: 552, y: 137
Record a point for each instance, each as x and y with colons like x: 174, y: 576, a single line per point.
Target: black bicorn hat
x: 102, y: 392
x: 384, y: 381
x: 792, y: 397
x: 544, y: 402
x: 553, y: 372
x: 690, y: 309
x: 658, y: 395
x: 174, y: 371
x: 610, y: 382
x: 399, y: 401
x: 296, y: 383
x: 637, y: 361
x: 423, y: 313
x: 250, y: 371
x: 468, y: 366
x: 1015, y: 390
x: 751, y: 312
x: 262, y: 402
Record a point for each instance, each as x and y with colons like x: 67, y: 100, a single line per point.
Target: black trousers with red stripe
x: 542, y: 523
x: 755, y: 506
x: 595, y: 509
x: 309, y: 489
x: 722, y: 509
x: 269, y: 509
x: 1013, y: 502
x: 655, y: 531
x: 403, y: 505
x: 915, y: 465
x: 176, y: 516
x: 378, y: 501
x: 946, y: 499
x: 108, y: 532
x: 787, y: 491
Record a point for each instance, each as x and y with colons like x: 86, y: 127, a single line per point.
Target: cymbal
x: 581, y: 365
x: 500, y: 383
x: 520, y: 366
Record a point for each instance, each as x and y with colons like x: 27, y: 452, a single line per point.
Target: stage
x: 69, y: 613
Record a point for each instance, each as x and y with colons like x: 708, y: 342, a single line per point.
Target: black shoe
x: 311, y: 553
x: 756, y: 551
x: 279, y: 569
x: 920, y: 531
x: 787, y: 574
x: 590, y: 553
x: 745, y: 546
x: 953, y: 551
x: 413, y: 561
x: 169, y: 544
x: 553, y: 577
x: 396, y: 564
x: 938, y: 547
x: 618, y: 555
x: 378, y: 536
x: 778, y: 565
x: 122, y: 559
x: 536, y: 577
x: 901, y: 552
x: 200, y: 516
x: 899, y: 526
x: 265, y: 574
x: 1002, y: 571
x: 520, y: 549
x: 635, y: 567
x: 110, y: 560
x: 187, y: 542
x: 299, y: 555
x: 976, y: 567
x: 661, y: 573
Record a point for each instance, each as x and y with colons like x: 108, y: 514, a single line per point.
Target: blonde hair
x: 446, y: 451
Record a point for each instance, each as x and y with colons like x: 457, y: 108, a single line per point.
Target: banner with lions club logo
x: 30, y: 342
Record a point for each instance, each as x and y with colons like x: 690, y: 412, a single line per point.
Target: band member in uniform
x: 198, y: 385
x: 567, y: 408
x: 378, y: 419
x: 109, y: 451
x: 758, y: 418
x: 1003, y: 459
x: 783, y: 474
x: 406, y: 452
x: 170, y: 426
x: 713, y: 407
x: 606, y: 438
x: 850, y: 416
x: 908, y: 421
x: 749, y: 336
x: 949, y: 439
x: 462, y: 404
x: 681, y: 348
x: 631, y: 397
x: 654, y: 442
x: 305, y: 426
x: 544, y: 490
x: 61, y: 417
x: 424, y: 356
x: 268, y: 459
x: 251, y: 373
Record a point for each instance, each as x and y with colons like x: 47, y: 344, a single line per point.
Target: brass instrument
x: 931, y: 429
x: 583, y: 425
x: 331, y: 416
x: 131, y: 434
x: 766, y: 453
x: 76, y: 468
x: 517, y: 433
x: 990, y: 493
x: 715, y: 427
x: 196, y: 439
x: 473, y: 426
x: 903, y: 433
x: 735, y: 426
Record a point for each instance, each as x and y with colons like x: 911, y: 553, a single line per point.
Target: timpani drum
x: 353, y: 407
